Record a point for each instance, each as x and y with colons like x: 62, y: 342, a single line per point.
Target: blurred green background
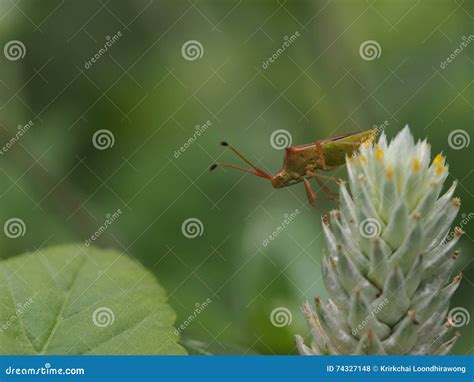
x: 151, y: 94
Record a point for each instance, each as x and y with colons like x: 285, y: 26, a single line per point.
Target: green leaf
x: 77, y: 300
x: 197, y: 347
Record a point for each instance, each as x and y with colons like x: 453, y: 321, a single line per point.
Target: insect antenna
x: 230, y: 165
x: 256, y: 171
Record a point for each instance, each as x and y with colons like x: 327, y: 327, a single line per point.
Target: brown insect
x: 303, y: 162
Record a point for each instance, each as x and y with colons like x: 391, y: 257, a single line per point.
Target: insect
x: 302, y: 163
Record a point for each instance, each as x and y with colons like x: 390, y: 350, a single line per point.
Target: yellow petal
x: 416, y: 165
x: 439, y: 169
x: 439, y: 159
x: 379, y: 153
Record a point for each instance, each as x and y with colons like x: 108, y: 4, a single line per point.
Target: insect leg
x: 309, y: 191
x: 325, y: 188
x: 320, y: 154
x: 318, y: 175
x: 321, y: 184
x: 312, y: 197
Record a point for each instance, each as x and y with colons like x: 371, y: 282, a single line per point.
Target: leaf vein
x: 63, y: 306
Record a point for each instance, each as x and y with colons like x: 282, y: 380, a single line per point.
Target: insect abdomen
x: 335, y: 155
